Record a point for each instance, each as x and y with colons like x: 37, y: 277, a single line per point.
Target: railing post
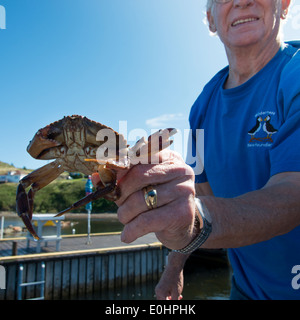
x: 42, y: 286
x: 2, y: 227
x: 20, y: 280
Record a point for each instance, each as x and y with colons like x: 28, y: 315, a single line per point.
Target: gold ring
x: 150, y: 196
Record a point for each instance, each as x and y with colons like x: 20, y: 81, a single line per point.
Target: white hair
x: 209, y: 4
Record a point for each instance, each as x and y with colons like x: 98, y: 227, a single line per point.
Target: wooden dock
x: 81, y: 269
x: 70, y: 243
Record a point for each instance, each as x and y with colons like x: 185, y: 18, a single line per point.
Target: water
x: 204, y: 279
x: 208, y: 283
x: 203, y: 283
x: 80, y: 227
x: 97, y: 226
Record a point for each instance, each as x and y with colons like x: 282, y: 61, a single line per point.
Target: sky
x: 140, y: 61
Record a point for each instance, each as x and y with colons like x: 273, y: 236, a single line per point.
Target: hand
x: 173, y: 219
x: 170, y: 286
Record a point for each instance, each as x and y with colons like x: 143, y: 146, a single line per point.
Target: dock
x: 79, y: 268
x: 70, y: 243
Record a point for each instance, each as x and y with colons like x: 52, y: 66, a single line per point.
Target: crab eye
x: 62, y: 150
x: 89, y: 151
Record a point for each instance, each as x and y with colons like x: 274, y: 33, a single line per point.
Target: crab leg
x: 99, y: 193
x: 24, y: 210
x: 37, y: 179
x: 147, y: 151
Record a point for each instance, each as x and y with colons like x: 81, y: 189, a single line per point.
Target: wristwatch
x: 205, y: 230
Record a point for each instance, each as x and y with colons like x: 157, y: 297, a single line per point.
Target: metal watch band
x: 204, y: 232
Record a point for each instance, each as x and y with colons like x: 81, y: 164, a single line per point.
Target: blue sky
x: 140, y: 61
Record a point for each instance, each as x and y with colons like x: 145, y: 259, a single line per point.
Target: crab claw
x: 99, y: 193
x: 23, y: 210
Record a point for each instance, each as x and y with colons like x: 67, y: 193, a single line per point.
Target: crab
x: 79, y: 144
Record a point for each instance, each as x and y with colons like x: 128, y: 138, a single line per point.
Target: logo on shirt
x: 261, y: 134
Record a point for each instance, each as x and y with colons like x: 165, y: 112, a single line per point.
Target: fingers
x: 141, y: 176
x: 173, y: 218
x: 95, y: 179
x: 171, y: 297
x: 170, y: 285
x: 135, y: 203
x: 168, y: 297
x: 162, y: 292
x: 172, y: 223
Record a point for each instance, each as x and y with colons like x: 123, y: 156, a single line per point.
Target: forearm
x: 256, y: 216
x: 177, y: 260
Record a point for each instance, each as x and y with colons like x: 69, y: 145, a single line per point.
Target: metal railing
x: 40, y: 283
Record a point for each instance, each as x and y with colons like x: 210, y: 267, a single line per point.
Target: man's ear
x: 211, y: 22
x: 285, y: 8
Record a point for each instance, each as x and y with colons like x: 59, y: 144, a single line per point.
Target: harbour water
x: 203, y: 280
x: 72, y: 227
x: 203, y: 283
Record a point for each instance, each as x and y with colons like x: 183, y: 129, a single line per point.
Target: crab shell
x: 72, y: 140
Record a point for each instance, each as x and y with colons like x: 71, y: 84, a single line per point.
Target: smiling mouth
x: 242, y: 21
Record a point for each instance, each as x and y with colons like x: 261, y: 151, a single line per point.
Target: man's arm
x: 251, y: 218
x: 255, y: 216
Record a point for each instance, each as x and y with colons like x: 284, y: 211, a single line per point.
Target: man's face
x: 241, y: 23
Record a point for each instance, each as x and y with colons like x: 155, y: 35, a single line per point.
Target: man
x: 248, y: 195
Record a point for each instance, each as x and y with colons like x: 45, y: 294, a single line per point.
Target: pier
x: 80, y: 269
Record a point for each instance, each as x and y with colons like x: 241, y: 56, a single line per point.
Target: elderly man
x: 247, y: 198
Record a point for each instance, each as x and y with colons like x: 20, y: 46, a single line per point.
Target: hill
x: 4, y: 167
x: 54, y: 198
x: 57, y: 196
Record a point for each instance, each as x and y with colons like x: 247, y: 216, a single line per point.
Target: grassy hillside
x: 55, y: 197
x: 4, y: 167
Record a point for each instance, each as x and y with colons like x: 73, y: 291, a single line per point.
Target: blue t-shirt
x: 251, y: 133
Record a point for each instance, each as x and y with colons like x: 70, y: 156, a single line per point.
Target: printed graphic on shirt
x: 262, y: 132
